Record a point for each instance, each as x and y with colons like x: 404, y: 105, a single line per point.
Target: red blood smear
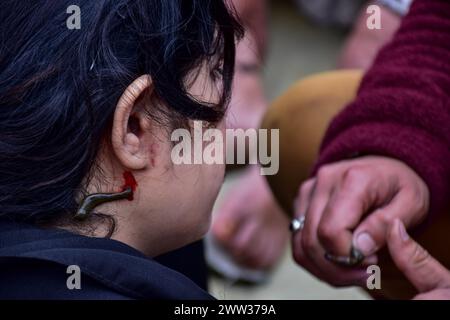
x: 130, y: 182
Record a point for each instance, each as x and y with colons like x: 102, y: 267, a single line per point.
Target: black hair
x: 59, y: 86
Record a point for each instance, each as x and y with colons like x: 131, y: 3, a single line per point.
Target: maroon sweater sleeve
x: 402, y: 109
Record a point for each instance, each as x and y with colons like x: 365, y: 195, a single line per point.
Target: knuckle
x: 418, y: 201
x: 324, y: 173
x: 327, y: 233
x: 387, y: 218
x: 356, y: 176
x: 420, y: 257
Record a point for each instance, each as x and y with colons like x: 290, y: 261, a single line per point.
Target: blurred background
x: 296, y: 48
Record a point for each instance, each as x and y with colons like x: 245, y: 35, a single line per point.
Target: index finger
x: 348, y: 204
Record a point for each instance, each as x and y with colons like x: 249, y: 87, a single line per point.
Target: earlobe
x: 127, y: 143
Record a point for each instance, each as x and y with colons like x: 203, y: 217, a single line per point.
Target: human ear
x: 129, y: 124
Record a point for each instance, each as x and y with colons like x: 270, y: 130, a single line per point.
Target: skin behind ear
x: 128, y: 124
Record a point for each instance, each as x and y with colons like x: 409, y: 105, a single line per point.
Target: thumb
x: 421, y: 269
x: 371, y: 233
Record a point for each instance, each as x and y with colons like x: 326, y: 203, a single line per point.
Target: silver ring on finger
x: 355, y: 258
x: 297, y: 224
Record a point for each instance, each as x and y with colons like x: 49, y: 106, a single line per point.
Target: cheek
x: 197, y: 187
x: 198, y: 182
x: 212, y: 177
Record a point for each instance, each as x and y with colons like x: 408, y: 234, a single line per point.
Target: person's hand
x: 352, y: 203
x: 429, y: 277
x: 250, y: 224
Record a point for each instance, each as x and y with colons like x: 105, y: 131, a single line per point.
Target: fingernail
x: 365, y: 244
x: 403, y: 234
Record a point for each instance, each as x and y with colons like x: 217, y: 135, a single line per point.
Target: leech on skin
x: 96, y: 199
